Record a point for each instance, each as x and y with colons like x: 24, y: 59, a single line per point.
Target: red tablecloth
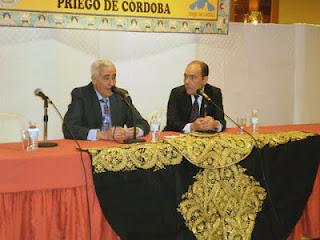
x: 43, y: 195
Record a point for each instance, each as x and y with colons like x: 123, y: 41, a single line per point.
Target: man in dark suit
x: 188, y: 111
x: 95, y: 102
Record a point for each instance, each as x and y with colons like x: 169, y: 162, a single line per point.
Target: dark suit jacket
x: 180, y: 104
x: 84, y: 113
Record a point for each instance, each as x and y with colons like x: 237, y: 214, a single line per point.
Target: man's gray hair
x: 101, y: 62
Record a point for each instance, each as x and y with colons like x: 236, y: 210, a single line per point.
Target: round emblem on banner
x: 8, y: 3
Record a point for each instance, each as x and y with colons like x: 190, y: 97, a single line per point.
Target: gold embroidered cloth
x: 131, y: 157
x: 223, y: 201
x: 222, y: 204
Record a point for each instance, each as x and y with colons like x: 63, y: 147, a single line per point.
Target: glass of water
x: 242, y: 122
x: 26, y: 141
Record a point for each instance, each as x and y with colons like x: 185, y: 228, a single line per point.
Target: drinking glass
x: 242, y: 121
x: 34, y: 135
x: 26, y: 141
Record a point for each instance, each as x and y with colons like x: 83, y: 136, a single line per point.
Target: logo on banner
x: 8, y: 3
x: 202, y: 4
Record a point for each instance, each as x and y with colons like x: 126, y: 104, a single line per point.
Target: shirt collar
x: 199, y: 98
x: 99, y: 95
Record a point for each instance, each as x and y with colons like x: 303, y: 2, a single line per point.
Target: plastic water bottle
x: 254, y: 120
x: 33, y: 132
x: 155, y: 130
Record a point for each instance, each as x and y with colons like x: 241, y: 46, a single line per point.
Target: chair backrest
x: 11, y: 125
x: 160, y: 115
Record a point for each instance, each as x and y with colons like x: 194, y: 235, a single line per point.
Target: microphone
x: 124, y: 93
x: 126, y: 98
x: 38, y: 92
x: 205, y: 96
x: 46, y: 99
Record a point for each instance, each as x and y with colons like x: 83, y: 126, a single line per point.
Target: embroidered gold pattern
x: 131, y: 157
x: 274, y: 139
x: 223, y: 201
x: 216, y: 151
x: 222, y: 204
x: 225, y: 149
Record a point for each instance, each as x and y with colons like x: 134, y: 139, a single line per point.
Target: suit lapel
x: 186, y: 104
x: 203, y: 108
x: 96, y: 107
x: 115, y: 115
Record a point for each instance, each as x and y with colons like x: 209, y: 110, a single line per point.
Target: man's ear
x: 205, y: 80
x: 93, y: 79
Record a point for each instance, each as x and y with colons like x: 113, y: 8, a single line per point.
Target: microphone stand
x: 45, y: 142
x: 209, y: 100
x: 134, y: 139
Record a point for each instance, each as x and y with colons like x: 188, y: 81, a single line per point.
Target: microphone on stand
x: 126, y: 98
x: 38, y: 92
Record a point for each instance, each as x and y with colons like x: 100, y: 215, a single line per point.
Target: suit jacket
x: 84, y: 113
x: 180, y: 104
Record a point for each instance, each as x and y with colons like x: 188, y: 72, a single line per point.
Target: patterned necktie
x: 106, y: 115
x: 195, y: 109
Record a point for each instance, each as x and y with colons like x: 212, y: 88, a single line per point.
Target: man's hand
x: 130, y: 132
x: 114, y: 133
x: 207, y: 123
x: 104, y: 135
x: 119, y: 134
x: 197, y: 125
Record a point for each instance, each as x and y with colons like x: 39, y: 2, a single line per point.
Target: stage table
x: 43, y: 193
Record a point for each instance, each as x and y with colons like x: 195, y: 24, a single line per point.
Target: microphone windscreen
x: 37, y: 91
x: 120, y: 91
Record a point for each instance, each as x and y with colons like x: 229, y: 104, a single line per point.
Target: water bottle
x: 154, y: 129
x: 254, y: 120
x: 33, y: 132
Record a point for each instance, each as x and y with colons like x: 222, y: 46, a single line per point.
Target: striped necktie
x: 195, y: 109
x: 106, y: 115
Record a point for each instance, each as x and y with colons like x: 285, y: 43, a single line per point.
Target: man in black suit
x: 188, y: 111
x: 92, y: 103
